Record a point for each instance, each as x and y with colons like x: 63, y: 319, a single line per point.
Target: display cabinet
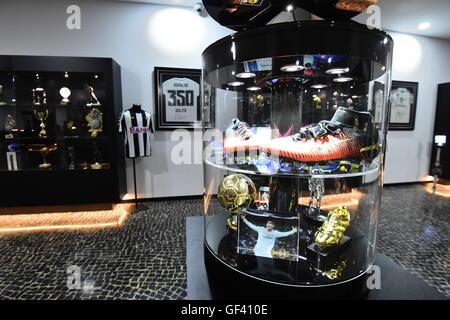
x: 441, y: 128
x: 58, y: 131
x: 294, y: 167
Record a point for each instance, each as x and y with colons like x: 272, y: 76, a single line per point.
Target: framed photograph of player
x: 178, y: 94
x: 267, y: 235
x: 403, y: 104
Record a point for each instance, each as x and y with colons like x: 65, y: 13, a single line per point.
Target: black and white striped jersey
x: 136, y: 126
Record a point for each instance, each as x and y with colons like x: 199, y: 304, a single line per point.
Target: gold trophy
x: 43, y: 150
x: 90, y: 96
x: 65, y: 94
x: 95, y: 121
x: 39, y: 96
x: 42, y: 116
x: 236, y: 192
x: 332, y: 230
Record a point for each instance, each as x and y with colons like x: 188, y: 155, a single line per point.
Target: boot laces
x: 318, y: 130
x: 242, y: 129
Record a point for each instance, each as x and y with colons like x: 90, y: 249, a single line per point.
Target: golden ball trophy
x: 236, y: 192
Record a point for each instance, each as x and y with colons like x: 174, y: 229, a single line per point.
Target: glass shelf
x: 365, y: 169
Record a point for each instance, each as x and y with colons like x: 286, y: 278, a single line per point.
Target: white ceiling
x: 396, y: 15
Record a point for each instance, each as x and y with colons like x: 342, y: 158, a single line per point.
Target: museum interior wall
x: 423, y: 60
x: 141, y: 36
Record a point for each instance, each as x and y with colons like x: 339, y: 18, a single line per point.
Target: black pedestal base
x: 223, y: 282
x: 227, y: 283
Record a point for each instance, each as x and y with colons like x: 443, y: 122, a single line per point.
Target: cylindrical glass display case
x: 295, y: 122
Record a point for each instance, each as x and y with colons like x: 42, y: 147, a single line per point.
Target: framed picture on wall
x: 403, y: 104
x: 177, y: 95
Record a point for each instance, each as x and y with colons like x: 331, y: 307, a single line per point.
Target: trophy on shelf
x: 65, y: 94
x: 70, y: 128
x: 71, y: 156
x: 13, y: 157
x: 97, y: 155
x: 44, y: 151
x: 90, y: 96
x: 95, y: 121
x: 42, y: 116
x: 13, y: 89
x: 10, y: 125
x: 2, y: 101
x: 39, y: 97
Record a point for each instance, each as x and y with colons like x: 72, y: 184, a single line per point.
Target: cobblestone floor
x: 414, y: 231
x: 145, y: 258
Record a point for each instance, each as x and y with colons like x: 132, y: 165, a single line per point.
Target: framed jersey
x: 403, y: 104
x: 178, y: 95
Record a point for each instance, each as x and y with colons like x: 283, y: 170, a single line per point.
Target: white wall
x: 426, y: 61
x: 139, y: 37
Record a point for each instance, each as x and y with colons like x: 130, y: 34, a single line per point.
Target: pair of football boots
x: 349, y: 134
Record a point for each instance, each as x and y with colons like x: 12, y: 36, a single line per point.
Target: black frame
x: 56, y: 187
x: 376, y: 113
x: 411, y: 86
x: 159, y: 74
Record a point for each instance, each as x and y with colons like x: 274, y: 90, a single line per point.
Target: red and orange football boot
x: 349, y: 134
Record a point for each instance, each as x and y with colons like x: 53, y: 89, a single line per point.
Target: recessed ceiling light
x: 342, y: 79
x: 245, y: 75
x: 235, y: 83
x: 291, y: 68
x: 254, y: 88
x: 319, y: 86
x: 337, y: 70
x: 424, y: 26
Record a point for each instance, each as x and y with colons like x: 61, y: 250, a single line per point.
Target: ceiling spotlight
x: 289, y: 8
x: 245, y: 75
x: 342, y: 79
x: 235, y: 83
x: 424, y: 26
x: 319, y: 86
x: 66, y: 75
x: 254, y: 88
x: 337, y: 70
x: 96, y: 76
x: 291, y: 68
